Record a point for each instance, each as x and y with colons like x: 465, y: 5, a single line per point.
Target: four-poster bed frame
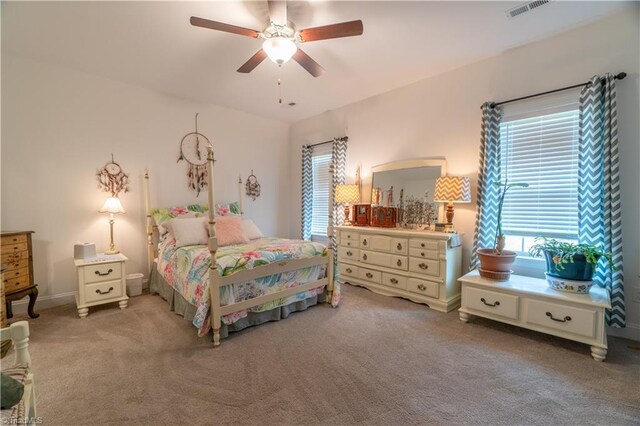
x: 216, y: 281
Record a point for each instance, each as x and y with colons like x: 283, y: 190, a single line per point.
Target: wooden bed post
x: 214, y: 278
x: 330, y: 235
x: 147, y: 208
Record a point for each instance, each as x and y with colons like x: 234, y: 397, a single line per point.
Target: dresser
x: 17, y: 257
x: 530, y: 303
x: 101, y: 280
x: 422, y: 266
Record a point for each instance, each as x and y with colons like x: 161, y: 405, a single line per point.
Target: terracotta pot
x: 490, y: 260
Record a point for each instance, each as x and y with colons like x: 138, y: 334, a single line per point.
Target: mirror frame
x: 410, y: 164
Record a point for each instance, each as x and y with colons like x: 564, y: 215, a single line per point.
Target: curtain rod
x: 321, y: 143
x: 618, y: 76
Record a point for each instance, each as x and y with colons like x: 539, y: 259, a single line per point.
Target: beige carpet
x: 374, y: 360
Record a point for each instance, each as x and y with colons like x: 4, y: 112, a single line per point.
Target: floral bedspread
x: 186, y: 269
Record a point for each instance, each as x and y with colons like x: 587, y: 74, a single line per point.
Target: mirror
x: 413, y: 183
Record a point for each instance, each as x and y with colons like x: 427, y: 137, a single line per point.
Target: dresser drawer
x: 8, y: 249
x: 399, y: 245
x: 102, y: 272
x: 565, y: 318
x: 424, y: 253
x: 13, y: 273
x: 348, y: 238
x: 375, y: 242
x: 424, y: 266
x: 103, y: 291
x: 348, y: 270
x: 14, y: 239
x: 424, y: 287
x: 400, y: 262
x: 348, y: 253
x: 375, y: 258
x: 505, y: 305
x: 370, y: 275
x: 16, y: 261
x: 392, y: 280
x: 423, y: 244
x: 13, y: 285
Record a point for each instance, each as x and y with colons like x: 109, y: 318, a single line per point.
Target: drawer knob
x: 422, y: 245
x: 422, y: 287
x: 423, y: 266
x: 393, y: 281
x: 369, y: 275
x: 399, y: 246
x: 422, y: 254
x: 348, y: 236
x: 490, y: 304
x: 103, y: 274
x: 104, y: 292
x: 349, y: 270
x: 399, y: 262
x: 349, y: 253
x: 565, y: 319
x: 348, y: 243
x: 364, y: 242
x: 364, y: 256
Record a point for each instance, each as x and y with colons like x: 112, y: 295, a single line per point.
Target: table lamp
x: 347, y: 194
x: 452, y: 189
x: 112, y: 206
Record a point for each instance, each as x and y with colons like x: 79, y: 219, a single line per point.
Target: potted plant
x: 495, y: 263
x: 570, y: 266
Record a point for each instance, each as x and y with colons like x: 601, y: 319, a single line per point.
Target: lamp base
x: 112, y: 251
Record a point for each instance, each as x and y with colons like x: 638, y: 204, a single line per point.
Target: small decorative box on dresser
x: 101, y: 280
x: 530, y: 303
x: 17, y: 257
x: 421, y: 266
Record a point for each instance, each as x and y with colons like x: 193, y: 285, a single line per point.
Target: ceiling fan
x: 281, y: 38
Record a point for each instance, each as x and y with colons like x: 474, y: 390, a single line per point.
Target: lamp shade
x: 279, y: 49
x: 112, y: 205
x: 456, y: 189
x: 347, y: 194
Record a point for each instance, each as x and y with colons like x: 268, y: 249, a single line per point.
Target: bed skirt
x: 178, y: 304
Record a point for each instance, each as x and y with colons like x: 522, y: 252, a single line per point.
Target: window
x: 320, y: 210
x: 540, y: 147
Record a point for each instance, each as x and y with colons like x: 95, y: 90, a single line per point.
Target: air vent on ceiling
x: 526, y: 7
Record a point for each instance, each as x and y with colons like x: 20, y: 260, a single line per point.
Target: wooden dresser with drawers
x: 17, y: 257
x: 422, y: 266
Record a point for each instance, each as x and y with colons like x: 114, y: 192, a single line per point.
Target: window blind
x: 320, y: 210
x: 541, y: 150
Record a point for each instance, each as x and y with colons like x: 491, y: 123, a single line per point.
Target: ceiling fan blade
x: 344, y: 29
x: 278, y: 11
x: 253, y: 62
x: 307, y: 63
x: 213, y: 25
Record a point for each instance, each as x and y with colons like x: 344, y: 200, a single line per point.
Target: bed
x: 248, y: 284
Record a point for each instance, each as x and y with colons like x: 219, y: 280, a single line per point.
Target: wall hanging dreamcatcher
x: 253, y: 187
x: 112, y: 179
x: 193, y: 149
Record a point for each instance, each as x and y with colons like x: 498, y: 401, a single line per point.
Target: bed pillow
x: 251, y: 230
x: 229, y: 230
x: 190, y: 231
x: 228, y: 209
x: 164, y: 215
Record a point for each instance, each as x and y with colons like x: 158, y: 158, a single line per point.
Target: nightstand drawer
x: 348, y: 270
x: 424, y: 266
x: 565, y: 318
x: 9, y: 249
x: 492, y: 302
x: 103, y: 291
x: 14, y: 239
x: 102, y: 272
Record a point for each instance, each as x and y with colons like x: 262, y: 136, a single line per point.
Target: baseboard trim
x: 44, y: 302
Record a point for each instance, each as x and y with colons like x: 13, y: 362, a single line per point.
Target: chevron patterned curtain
x: 600, y: 218
x: 307, y: 191
x: 488, y: 172
x: 339, y: 161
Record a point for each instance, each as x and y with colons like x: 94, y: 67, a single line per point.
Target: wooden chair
x: 25, y: 411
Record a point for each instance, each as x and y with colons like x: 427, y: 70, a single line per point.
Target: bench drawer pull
x: 489, y: 304
x: 565, y: 319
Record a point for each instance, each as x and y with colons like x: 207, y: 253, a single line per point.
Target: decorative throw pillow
x: 11, y: 391
x: 251, y: 230
x: 164, y: 215
x: 228, y: 209
x: 229, y: 231
x: 189, y: 232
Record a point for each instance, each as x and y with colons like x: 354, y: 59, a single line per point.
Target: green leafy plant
x: 564, y: 252
x: 503, y: 188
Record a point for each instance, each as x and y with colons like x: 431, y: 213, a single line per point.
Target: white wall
x: 59, y: 126
x: 440, y: 116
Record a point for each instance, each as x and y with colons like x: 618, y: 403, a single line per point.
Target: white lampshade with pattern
x: 456, y: 189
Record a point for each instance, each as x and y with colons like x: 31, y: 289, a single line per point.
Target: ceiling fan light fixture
x: 279, y: 49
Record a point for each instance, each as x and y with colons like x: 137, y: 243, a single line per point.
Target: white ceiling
x: 152, y: 44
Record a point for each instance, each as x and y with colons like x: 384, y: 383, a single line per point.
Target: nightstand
x: 101, y: 280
